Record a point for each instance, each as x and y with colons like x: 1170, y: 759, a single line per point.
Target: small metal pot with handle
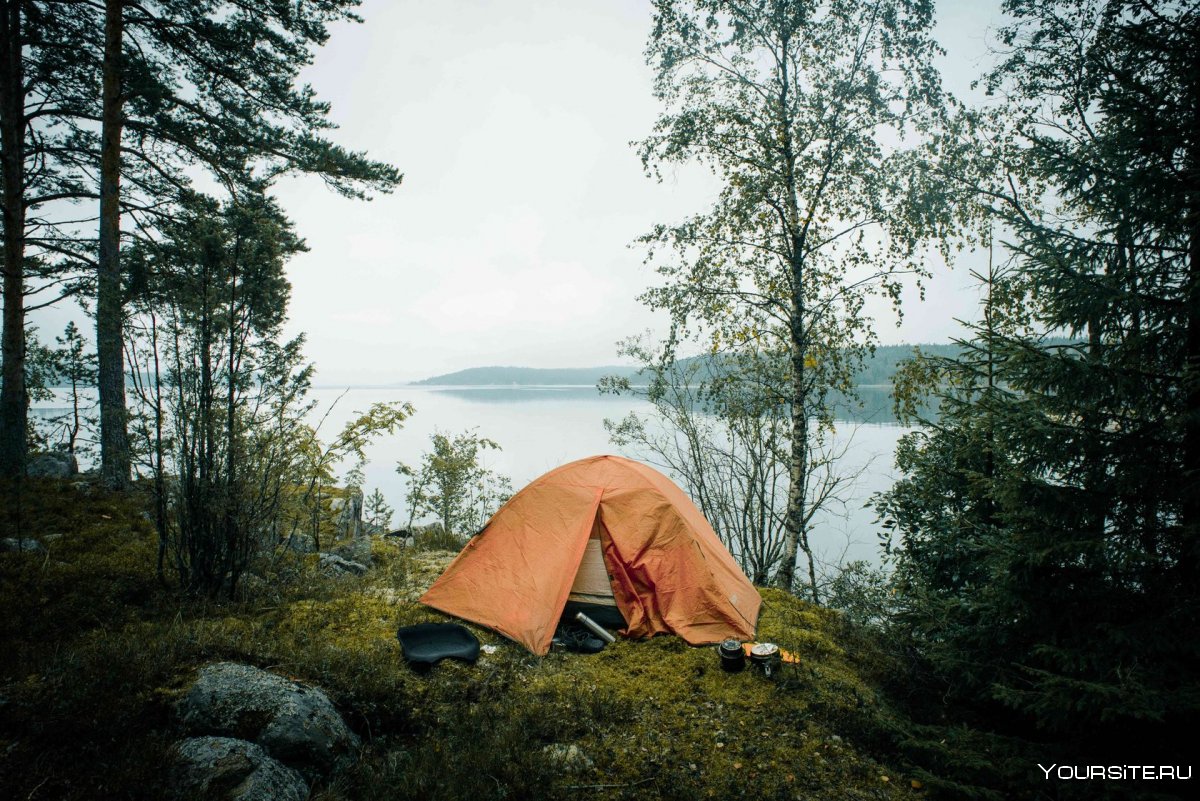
x: 733, y: 658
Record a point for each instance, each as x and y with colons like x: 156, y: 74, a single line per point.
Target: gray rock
x: 227, y: 769
x: 401, y: 538
x: 333, y: 565
x: 21, y: 545
x: 567, y: 758
x: 357, y: 549
x: 349, y: 521
x: 295, y: 724
x: 53, y: 464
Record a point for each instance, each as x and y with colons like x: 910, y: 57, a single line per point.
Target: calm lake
x: 539, y: 428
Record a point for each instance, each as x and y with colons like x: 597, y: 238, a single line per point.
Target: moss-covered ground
x: 96, y: 651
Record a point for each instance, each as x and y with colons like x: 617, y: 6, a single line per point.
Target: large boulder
x: 356, y: 549
x: 295, y: 724
x: 225, y: 769
x: 53, y: 464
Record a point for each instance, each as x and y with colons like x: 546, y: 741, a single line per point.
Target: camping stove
x: 766, y: 656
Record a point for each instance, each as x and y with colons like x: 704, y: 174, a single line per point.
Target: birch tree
x: 801, y: 109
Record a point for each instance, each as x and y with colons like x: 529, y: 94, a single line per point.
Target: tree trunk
x: 114, y: 439
x: 794, y: 533
x: 1190, y: 513
x: 13, y: 403
x: 160, y: 479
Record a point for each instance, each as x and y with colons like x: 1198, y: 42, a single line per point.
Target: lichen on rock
x: 226, y: 769
x: 296, y: 724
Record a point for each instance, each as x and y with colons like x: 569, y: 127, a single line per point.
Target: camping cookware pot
x: 766, y: 656
x: 733, y: 658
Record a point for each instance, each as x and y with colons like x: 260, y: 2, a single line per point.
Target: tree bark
x: 114, y: 438
x: 795, y: 535
x: 794, y: 526
x: 1190, y: 513
x: 13, y: 401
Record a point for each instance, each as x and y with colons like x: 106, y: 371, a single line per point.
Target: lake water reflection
x: 540, y: 428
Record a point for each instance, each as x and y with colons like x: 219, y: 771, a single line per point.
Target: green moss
x: 101, y: 653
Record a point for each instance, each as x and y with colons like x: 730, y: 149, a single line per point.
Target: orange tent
x: 669, y: 572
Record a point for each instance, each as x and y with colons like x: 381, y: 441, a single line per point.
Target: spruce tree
x: 1047, y: 524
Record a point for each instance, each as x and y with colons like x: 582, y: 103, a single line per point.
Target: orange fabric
x: 670, y: 572
x: 785, y: 656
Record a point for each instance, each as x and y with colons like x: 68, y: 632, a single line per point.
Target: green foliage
x: 76, y: 368
x: 865, y: 594
x: 39, y: 372
x: 47, y: 156
x: 223, y: 394
x: 1046, y: 526
x: 218, y: 86
x: 377, y: 512
x: 319, y: 460
x: 453, y: 485
x: 435, y: 538
x: 223, y: 426
x: 795, y: 106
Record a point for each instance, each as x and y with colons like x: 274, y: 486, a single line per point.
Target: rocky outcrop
x: 300, y: 543
x: 349, y: 521
x: 225, y: 769
x: 357, y: 549
x: 297, y: 725
x: 333, y: 565
x: 53, y: 464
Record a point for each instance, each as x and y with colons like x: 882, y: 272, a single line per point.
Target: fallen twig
x: 606, y: 786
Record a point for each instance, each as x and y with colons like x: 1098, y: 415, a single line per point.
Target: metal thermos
x: 596, y: 628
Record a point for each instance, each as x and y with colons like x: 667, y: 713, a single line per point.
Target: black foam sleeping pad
x: 426, y: 644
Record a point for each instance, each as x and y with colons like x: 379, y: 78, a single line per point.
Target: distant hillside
x: 877, y: 370
x: 528, y: 376
x: 880, y: 368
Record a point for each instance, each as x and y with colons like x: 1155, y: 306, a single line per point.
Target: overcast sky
x: 509, y: 241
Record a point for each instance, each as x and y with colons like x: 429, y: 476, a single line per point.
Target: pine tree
x: 378, y: 512
x: 45, y: 149
x: 205, y: 84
